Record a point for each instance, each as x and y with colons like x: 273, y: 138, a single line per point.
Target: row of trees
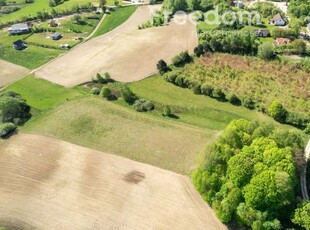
x: 249, y: 175
x: 202, y: 84
x: 233, y: 42
x: 275, y: 110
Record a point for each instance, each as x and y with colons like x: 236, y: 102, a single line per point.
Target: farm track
x: 51, y: 184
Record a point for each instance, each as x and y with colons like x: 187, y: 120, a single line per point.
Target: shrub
x: 171, y: 76
x: 218, y: 94
x: 277, y: 111
x: 196, y: 88
x: 297, y: 120
x: 199, y: 50
x: 14, y: 110
x: 95, y: 91
x: 52, y: 3
x: 307, y: 129
x: 166, y: 111
x: 105, y: 92
x: 233, y: 99
x: 247, y: 102
x: 207, y: 90
x: 128, y: 95
x: 6, y: 128
x: 107, y: 77
x: 143, y: 105
x: 100, y: 79
x: 162, y: 67
x: 266, y: 51
x: 181, y: 59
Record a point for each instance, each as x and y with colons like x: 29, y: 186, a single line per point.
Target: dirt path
x: 127, y: 53
x: 51, y: 184
x: 10, y: 72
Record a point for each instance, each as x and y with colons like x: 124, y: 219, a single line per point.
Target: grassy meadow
x: 41, y: 94
x: 114, y: 19
x: 77, y: 116
x: 31, y: 58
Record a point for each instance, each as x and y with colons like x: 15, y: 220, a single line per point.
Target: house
x: 56, y: 36
x: 308, y: 28
x: 262, y: 33
x: 238, y: 4
x: 277, y: 20
x: 19, y: 45
x: 21, y: 28
x: 282, y: 41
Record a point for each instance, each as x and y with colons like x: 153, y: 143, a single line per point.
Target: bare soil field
x: 127, y: 53
x: 51, y: 184
x: 10, y: 72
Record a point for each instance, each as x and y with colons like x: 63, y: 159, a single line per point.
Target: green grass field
x: 31, y: 58
x: 98, y: 124
x: 114, y: 19
x: 193, y: 109
x: 41, y: 94
x: 77, y: 116
x: 38, y: 5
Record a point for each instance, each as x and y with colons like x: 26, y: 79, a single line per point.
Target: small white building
x: 308, y: 28
x: 21, y: 28
x: 277, y: 20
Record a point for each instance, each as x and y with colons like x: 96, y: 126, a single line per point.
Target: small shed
x: 308, y: 27
x: 56, y: 36
x: 19, y: 45
x: 20, y: 28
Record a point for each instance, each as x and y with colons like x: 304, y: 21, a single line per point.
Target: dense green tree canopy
x: 249, y: 174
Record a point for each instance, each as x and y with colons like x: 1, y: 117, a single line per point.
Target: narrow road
x: 303, y: 177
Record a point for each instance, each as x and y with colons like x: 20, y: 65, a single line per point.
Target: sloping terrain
x: 51, y: 184
x: 127, y: 53
x: 10, y: 72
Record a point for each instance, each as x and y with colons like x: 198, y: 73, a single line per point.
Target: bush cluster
x: 13, y: 111
x: 143, y: 105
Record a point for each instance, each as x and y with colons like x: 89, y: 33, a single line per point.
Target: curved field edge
x: 114, y: 19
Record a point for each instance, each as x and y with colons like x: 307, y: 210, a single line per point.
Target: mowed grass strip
x: 114, y: 19
x: 31, y: 58
x: 96, y: 123
x: 41, y: 94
